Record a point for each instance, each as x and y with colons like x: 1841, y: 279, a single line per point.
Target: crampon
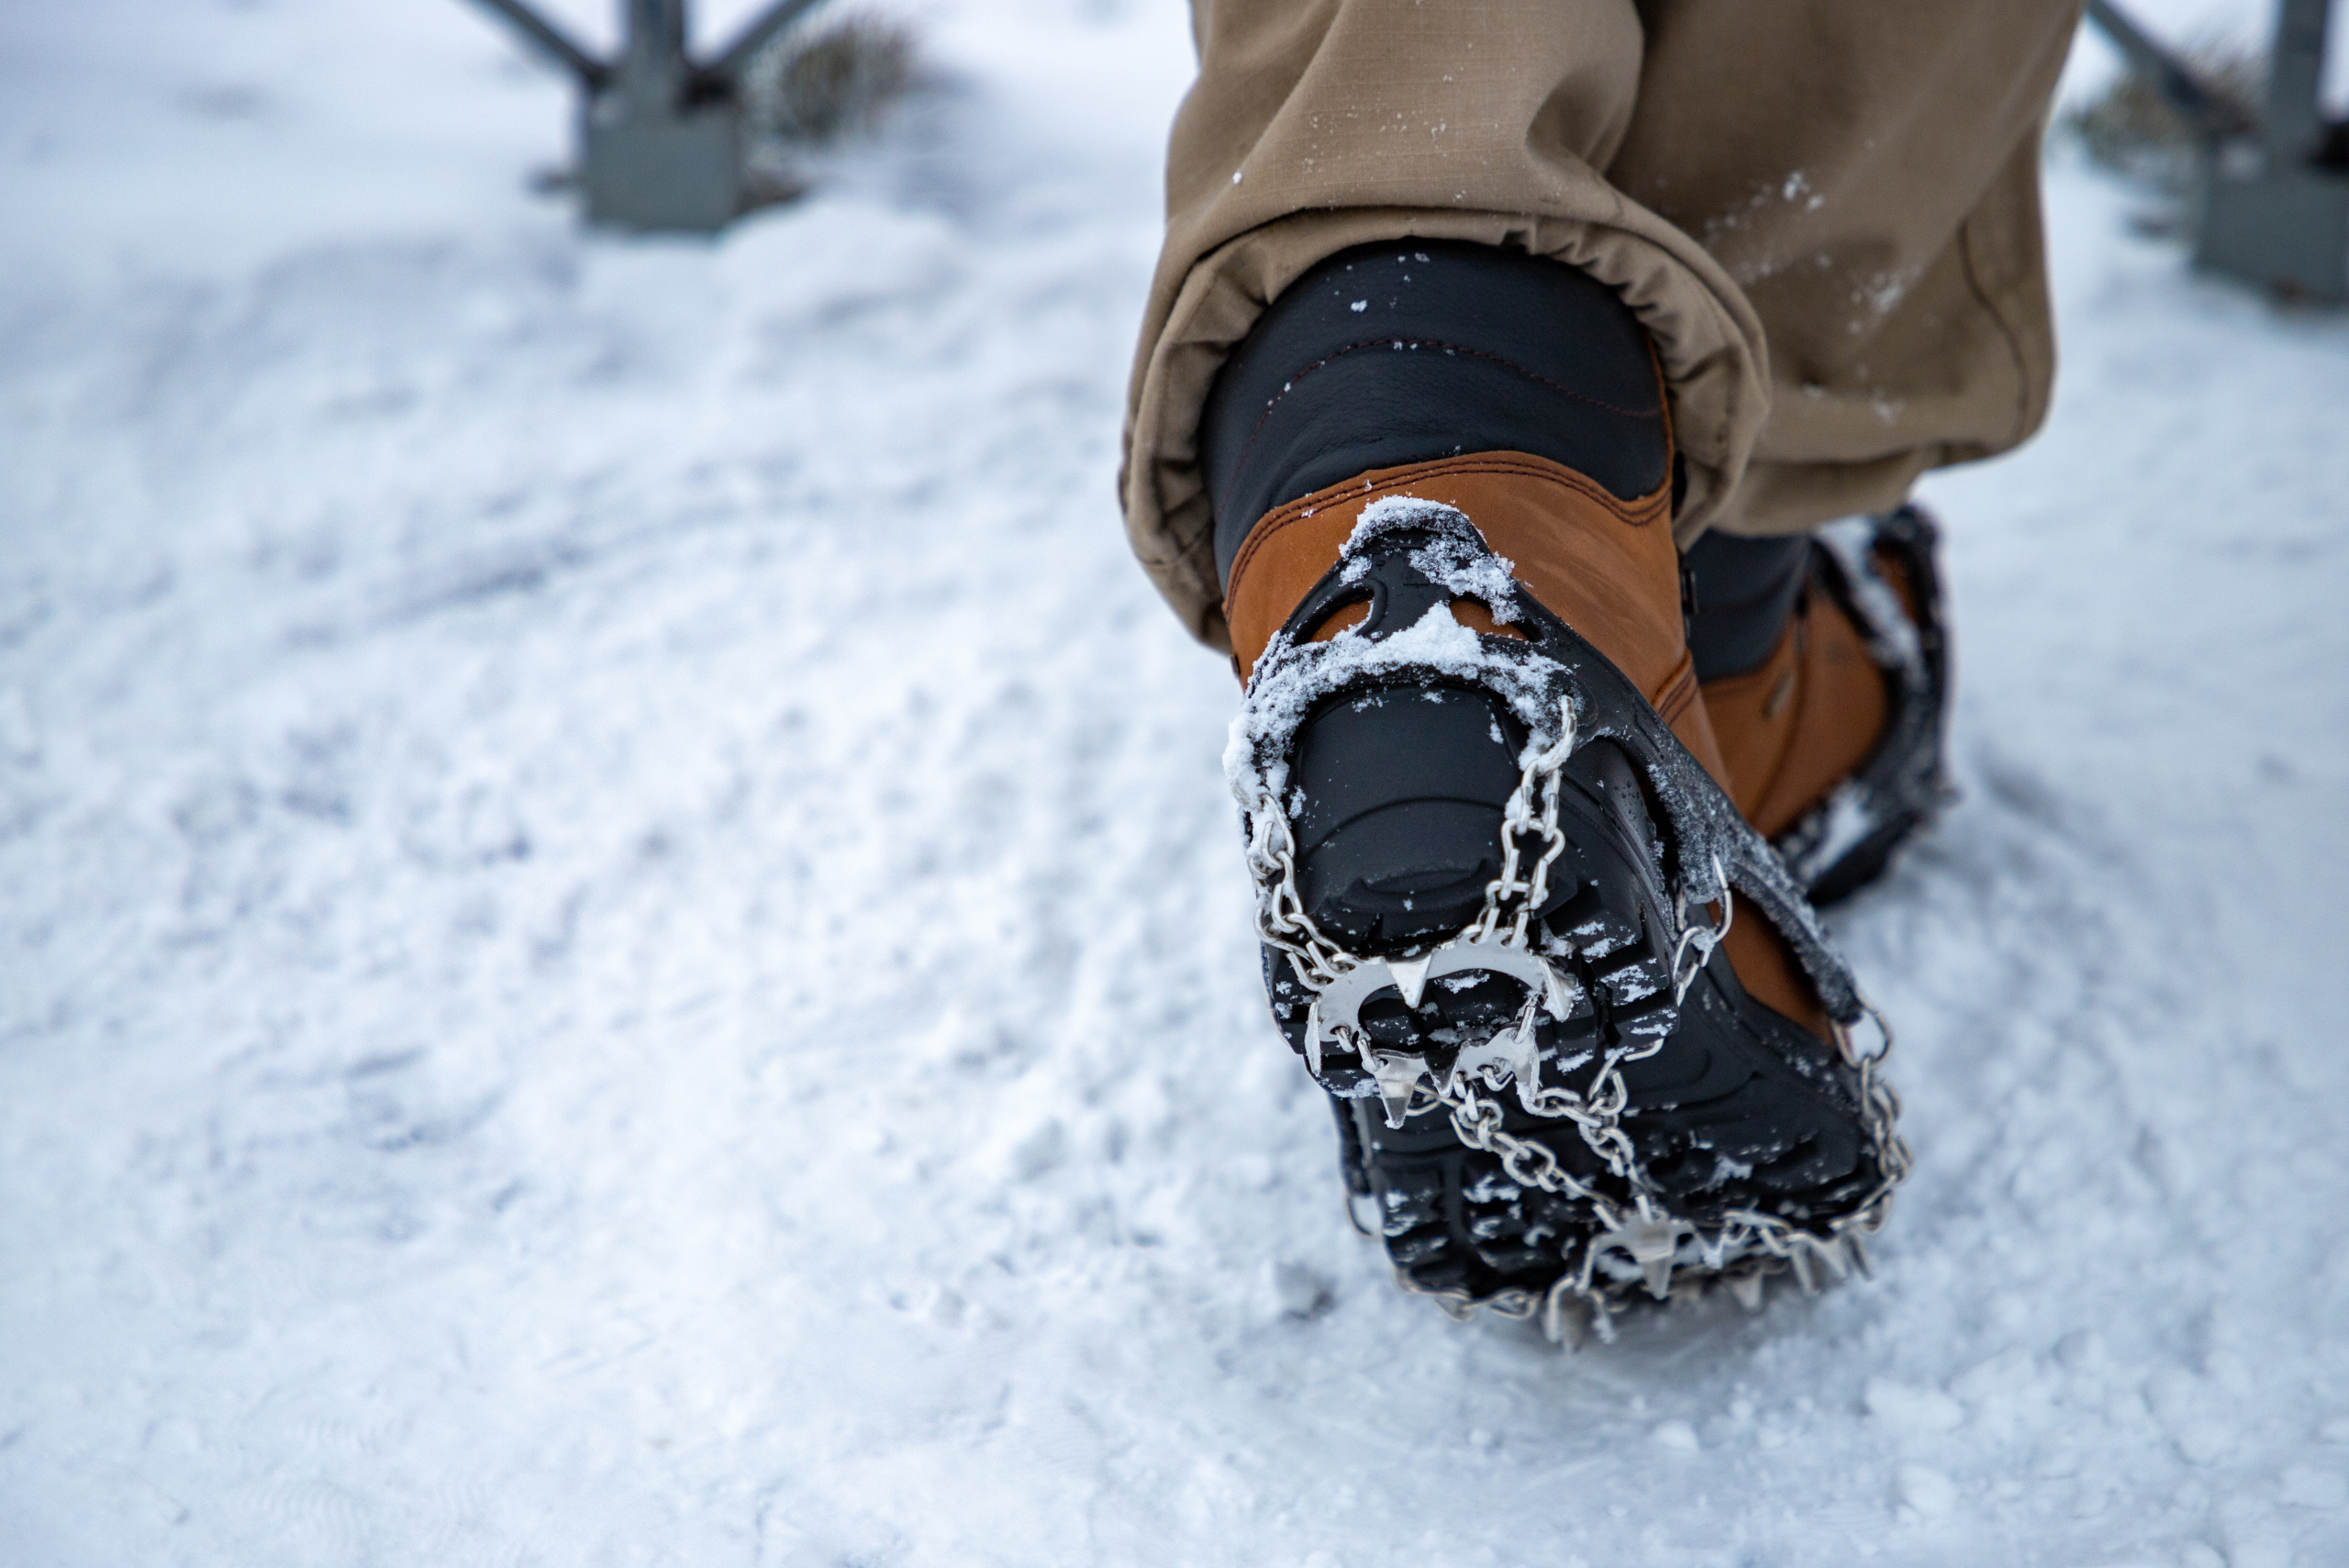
x: 1492, y: 887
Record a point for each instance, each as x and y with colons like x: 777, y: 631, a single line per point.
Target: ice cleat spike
x: 1830, y: 1253
x: 1603, y: 1322
x: 1525, y: 1062
x: 1747, y: 1289
x: 1652, y: 1245
x: 1559, y: 994
x: 1564, y: 1316
x: 1410, y: 978
x: 1313, y: 1038
x: 1857, y: 1246
x: 1805, y: 1276
x: 1398, y: 1077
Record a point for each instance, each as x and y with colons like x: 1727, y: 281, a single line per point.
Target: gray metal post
x: 2270, y: 214
x: 2295, y: 117
x: 657, y: 155
x: 660, y: 136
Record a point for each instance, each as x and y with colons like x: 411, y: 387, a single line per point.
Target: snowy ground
x: 624, y: 945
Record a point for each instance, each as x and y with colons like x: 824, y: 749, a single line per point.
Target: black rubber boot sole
x: 1742, y: 1109
x: 1746, y: 1115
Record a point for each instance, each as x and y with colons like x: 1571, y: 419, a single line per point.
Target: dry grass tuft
x: 826, y: 84
x: 2128, y: 126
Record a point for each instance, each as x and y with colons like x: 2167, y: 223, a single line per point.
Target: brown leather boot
x: 1834, y: 743
x: 1582, y: 1031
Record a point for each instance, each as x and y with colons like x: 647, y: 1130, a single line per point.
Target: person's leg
x: 1826, y: 681
x: 1869, y: 176
x: 1316, y: 127
x: 1419, y: 705
x: 1876, y: 195
x: 1854, y: 186
x: 1396, y: 417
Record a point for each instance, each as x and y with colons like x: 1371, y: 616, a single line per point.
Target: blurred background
x: 621, y: 939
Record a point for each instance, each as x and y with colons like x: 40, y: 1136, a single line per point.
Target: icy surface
x: 624, y: 943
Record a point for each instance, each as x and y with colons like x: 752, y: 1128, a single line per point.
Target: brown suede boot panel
x: 1766, y: 968
x: 1606, y: 561
x: 1804, y: 721
x: 1753, y: 717
x: 1681, y: 706
x: 1605, y: 567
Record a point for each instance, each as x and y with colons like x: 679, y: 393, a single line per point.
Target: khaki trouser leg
x: 1825, y: 211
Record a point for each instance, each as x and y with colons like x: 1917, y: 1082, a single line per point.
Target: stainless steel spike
x: 1313, y: 1038
x: 1604, y: 1321
x: 1410, y: 978
x: 1555, y: 995
x: 1525, y: 1066
x: 1830, y: 1253
x: 1804, y: 1276
x: 1563, y: 1319
x: 1341, y: 998
x: 1397, y: 1076
x: 1747, y: 1289
x: 1857, y: 1246
x: 1652, y: 1245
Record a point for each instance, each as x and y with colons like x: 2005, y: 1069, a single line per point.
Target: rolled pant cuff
x: 1706, y: 338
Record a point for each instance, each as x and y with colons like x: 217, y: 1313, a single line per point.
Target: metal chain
x: 1282, y: 922
x: 1281, y: 919
x: 1477, y: 1123
x: 1741, y: 1233
x: 1512, y: 897
x: 1507, y: 892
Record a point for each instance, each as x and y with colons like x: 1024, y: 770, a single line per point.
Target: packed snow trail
x: 624, y: 943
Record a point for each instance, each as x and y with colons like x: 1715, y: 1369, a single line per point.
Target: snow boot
x: 1585, y: 1041
x: 1831, y: 712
